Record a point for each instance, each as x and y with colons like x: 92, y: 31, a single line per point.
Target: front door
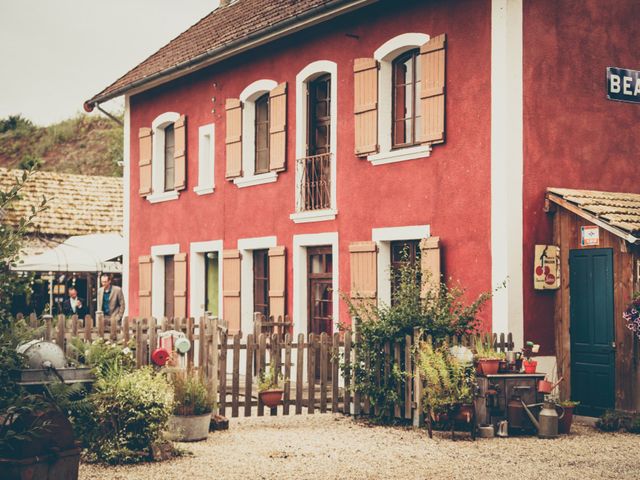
x: 592, y: 329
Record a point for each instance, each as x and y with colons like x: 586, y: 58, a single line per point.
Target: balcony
x: 315, y: 182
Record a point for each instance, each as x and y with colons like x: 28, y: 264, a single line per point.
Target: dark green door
x: 592, y: 334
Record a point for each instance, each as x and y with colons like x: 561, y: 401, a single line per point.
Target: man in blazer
x: 73, y: 304
x: 110, y: 300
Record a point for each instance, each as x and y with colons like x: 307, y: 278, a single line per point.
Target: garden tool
x: 546, y: 387
x: 547, y: 423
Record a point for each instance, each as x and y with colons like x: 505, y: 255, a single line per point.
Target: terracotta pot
x: 530, y: 366
x: 564, y: 422
x: 489, y: 366
x: 271, y: 398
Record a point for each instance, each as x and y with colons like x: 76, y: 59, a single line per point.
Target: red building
x: 280, y: 153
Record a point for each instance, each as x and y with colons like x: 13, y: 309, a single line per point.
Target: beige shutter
x: 365, y: 99
x: 430, y: 264
x: 231, y: 289
x: 278, y: 128
x: 180, y: 153
x: 180, y: 285
x: 364, y: 276
x: 432, y: 91
x: 234, y: 138
x: 144, y: 162
x: 277, y: 282
x: 144, y: 286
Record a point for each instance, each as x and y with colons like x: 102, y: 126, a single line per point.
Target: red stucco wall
x: 449, y: 191
x: 573, y: 136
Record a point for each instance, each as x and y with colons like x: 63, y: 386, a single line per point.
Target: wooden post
x: 287, y: 374
x: 223, y: 373
x: 33, y: 320
x: 88, y: 328
x: 387, y: 369
x: 323, y: 372
x: 74, y: 325
x: 299, y: 373
x: 311, y: 374
x: 202, y: 345
x: 48, y: 325
x: 261, y: 357
x: 397, y: 411
x: 190, y: 338
x: 153, y: 338
x: 235, y: 381
x: 335, y: 374
x: 214, y: 359
x: 418, y: 415
x: 61, y: 331
x: 274, y: 358
x: 356, y: 395
x: 100, y: 321
x: 248, y: 377
x: 125, y: 331
x: 113, y: 330
x: 407, y: 383
x: 346, y: 408
x: 139, y: 343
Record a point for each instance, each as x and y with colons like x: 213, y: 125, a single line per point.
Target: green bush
x: 190, y: 394
x: 103, y: 355
x: 127, y: 415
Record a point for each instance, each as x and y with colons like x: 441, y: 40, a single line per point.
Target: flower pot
x: 271, y: 398
x: 189, y: 428
x: 530, y: 366
x: 489, y: 366
x: 565, y: 421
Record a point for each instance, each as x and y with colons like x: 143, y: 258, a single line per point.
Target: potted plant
x: 565, y: 421
x: 192, y: 408
x: 529, y: 364
x: 269, y: 387
x: 487, y: 358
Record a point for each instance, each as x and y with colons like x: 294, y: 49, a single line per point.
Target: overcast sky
x: 55, y: 54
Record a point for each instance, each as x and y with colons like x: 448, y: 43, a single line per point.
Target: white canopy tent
x: 80, y: 253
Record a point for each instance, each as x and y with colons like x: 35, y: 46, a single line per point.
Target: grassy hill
x: 85, y: 144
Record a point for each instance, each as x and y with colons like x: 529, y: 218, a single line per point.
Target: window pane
x: 211, y: 283
x: 405, y: 101
x: 319, y: 115
x: 169, y: 160
x: 168, y: 286
x: 262, y: 134
x: 261, y: 281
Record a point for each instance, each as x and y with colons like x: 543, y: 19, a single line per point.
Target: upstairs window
x: 406, y: 120
x: 262, y: 134
x: 169, y: 158
x: 319, y: 141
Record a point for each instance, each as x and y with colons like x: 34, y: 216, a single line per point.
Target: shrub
x: 634, y: 425
x: 268, y: 379
x: 103, y: 355
x: 129, y: 412
x: 190, y: 394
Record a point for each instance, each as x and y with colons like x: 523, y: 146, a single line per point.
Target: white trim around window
x: 246, y: 247
x: 157, y: 163
x: 158, y: 252
x: 300, y: 244
x: 197, y: 251
x: 383, y: 238
x: 248, y: 97
x: 206, y: 160
x: 307, y: 74
x: 385, y: 55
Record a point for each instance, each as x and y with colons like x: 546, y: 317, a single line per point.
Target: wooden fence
x: 315, y: 376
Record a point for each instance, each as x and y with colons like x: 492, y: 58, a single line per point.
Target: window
x: 262, y: 134
x: 169, y: 159
x: 319, y: 140
x: 404, y: 253
x: 405, y: 113
x: 211, y: 280
x: 206, y: 160
x: 261, y: 282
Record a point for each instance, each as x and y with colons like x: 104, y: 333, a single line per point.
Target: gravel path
x: 328, y: 447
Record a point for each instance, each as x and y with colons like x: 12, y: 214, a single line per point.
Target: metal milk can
x: 547, y: 423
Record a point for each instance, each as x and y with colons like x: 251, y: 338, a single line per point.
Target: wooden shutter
x: 144, y: 162
x: 144, y: 286
x: 365, y: 99
x: 278, y: 128
x: 432, y: 91
x: 231, y: 289
x: 180, y: 153
x: 180, y: 285
x: 234, y: 138
x: 277, y: 282
x: 430, y: 264
x: 364, y: 273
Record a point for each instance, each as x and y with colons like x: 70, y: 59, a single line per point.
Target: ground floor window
x: 169, y: 286
x: 261, y: 282
x: 403, y: 252
x: 211, y: 283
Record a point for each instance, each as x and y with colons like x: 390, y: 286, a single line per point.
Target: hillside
x: 85, y: 144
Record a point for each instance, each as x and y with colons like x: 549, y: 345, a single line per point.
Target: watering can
x: 546, y: 387
x: 547, y: 422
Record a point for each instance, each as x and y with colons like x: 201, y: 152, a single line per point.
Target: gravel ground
x: 333, y: 446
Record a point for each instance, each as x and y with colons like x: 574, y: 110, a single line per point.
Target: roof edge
x: 279, y: 30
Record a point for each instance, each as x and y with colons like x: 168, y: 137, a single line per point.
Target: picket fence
x: 315, y: 376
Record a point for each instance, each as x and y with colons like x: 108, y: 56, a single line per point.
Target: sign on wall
x: 623, y: 85
x: 589, y: 236
x: 546, y: 268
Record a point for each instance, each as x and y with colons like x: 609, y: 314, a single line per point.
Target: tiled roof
x: 223, y: 32
x: 77, y: 204
x: 620, y: 210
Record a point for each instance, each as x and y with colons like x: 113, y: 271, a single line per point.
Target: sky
x: 55, y: 54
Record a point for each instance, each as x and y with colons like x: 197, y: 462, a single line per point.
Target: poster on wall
x: 589, y: 236
x: 546, y: 268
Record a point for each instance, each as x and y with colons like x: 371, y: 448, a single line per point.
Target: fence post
x: 48, y: 320
x: 287, y: 374
x: 190, y: 338
x: 61, y: 331
x: 346, y: 405
x: 235, y: 381
x: 153, y: 340
x: 335, y: 372
x: 213, y: 373
x: 139, y: 343
x: 33, y: 320
x: 88, y: 328
x: 100, y: 321
x: 299, y: 373
x: 248, y: 380
x: 202, y: 344
x: 418, y: 415
x: 125, y: 331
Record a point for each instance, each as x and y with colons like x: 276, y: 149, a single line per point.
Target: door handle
x: 613, y: 345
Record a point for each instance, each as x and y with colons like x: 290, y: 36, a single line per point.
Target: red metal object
x: 160, y: 356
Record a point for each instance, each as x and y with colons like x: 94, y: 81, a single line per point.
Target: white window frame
x: 383, y: 238
x: 158, y: 254
x: 197, y: 251
x: 157, y: 163
x: 385, y: 55
x: 300, y: 296
x: 248, y: 97
x: 307, y: 74
x: 246, y: 247
x: 206, y: 160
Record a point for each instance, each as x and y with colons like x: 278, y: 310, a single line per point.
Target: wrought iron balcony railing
x: 315, y: 186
